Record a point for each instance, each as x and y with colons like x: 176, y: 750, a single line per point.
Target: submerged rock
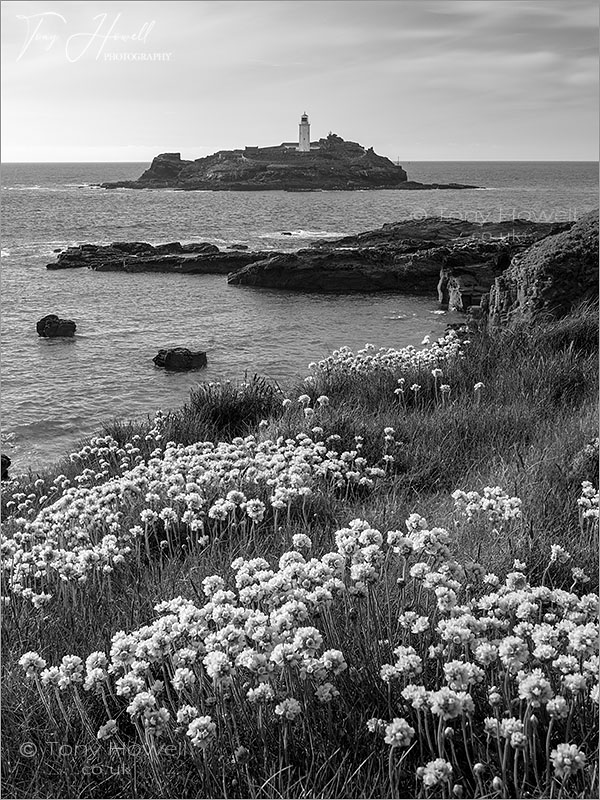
x: 180, y: 359
x: 52, y: 326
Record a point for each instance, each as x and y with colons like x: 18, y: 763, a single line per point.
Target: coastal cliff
x: 334, y: 164
x: 550, y: 277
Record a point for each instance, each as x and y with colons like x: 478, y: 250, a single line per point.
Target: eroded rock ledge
x: 458, y: 258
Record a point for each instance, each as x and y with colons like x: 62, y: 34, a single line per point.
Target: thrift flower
x: 201, y: 732
x: 398, y: 733
x: 567, y: 759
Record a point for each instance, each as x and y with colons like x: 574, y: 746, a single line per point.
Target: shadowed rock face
x: 415, y: 256
x: 551, y: 276
x: 336, y: 165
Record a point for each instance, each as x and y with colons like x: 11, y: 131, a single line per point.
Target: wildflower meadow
x: 381, y: 582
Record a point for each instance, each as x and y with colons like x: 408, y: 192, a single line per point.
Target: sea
x: 55, y: 393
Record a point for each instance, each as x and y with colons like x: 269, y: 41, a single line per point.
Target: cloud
x: 242, y: 72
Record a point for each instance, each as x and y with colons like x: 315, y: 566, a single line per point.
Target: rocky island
x: 330, y: 163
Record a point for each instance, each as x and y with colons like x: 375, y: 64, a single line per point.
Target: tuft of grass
x: 226, y: 409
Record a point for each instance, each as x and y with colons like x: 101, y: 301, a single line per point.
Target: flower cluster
x: 504, y: 665
x: 523, y: 642
x: 181, y: 495
x: 369, y: 361
x: 494, y: 505
x: 588, y: 502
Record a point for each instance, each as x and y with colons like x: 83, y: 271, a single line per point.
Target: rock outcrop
x: 180, y: 359
x: 550, y: 277
x: 457, y: 258
x: 5, y: 464
x: 200, y: 258
x: 414, y: 256
x: 335, y: 165
x: 52, y: 326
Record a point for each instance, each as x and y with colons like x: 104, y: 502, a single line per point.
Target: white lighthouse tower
x: 304, y: 135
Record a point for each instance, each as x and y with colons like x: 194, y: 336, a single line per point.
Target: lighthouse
x: 304, y: 135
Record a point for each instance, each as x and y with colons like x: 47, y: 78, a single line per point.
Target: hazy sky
x: 423, y: 80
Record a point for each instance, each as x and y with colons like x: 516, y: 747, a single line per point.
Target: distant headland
x: 330, y: 163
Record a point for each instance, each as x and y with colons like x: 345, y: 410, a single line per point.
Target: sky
x: 422, y: 80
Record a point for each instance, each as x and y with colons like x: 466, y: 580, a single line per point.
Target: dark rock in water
x: 127, y: 248
x: 180, y: 358
x: 51, y: 326
x: 550, y: 277
x: 286, y: 233
x: 174, y: 248
x: 6, y: 462
x: 237, y: 247
x: 194, y: 258
x: 199, y: 247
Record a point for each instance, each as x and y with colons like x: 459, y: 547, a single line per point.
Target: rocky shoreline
x: 509, y: 267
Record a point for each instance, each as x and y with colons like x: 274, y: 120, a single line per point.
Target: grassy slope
x: 537, y: 413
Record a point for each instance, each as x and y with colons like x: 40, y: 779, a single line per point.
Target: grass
x: 531, y: 429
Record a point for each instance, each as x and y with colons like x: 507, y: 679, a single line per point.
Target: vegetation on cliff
x: 227, y: 601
